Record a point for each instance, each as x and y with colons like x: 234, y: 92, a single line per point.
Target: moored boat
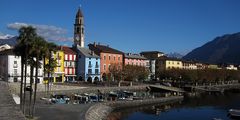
x: 234, y: 113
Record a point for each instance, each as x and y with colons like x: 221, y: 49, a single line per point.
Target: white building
x: 10, y: 68
x: 231, y: 67
x: 189, y: 65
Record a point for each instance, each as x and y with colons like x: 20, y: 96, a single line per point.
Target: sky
x: 127, y: 25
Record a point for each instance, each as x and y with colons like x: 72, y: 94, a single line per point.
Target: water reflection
x: 199, y: 107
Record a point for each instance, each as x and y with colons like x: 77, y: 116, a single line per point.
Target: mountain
x: 224, y: 49
x: 5, y: 36
x: 175, y: 55
x: 12, y: 41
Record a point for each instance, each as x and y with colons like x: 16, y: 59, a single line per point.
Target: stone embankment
x: 102, y: 110
x: 96, y: 89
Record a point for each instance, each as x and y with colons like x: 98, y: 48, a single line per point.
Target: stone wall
x: 100, y: 111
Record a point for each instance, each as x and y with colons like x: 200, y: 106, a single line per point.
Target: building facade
x: 88, y: 65
x: 58, y: 75
x: 152, y: 56
x: 10, y: 68
x: 135, y: 59
x: 70, y: 62
x: 189, y: 65
x: 108, y: 56
x: 166, y: 63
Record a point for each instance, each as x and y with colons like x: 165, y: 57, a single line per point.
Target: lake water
x: 201, y: 107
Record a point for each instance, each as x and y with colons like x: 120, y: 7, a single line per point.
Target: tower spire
x: 79, y: 29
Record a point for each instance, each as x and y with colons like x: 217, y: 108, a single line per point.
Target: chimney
x: 92, y: 52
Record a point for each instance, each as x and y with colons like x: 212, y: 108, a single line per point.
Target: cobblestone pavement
x: 8, y: 109
x: 62, y: 111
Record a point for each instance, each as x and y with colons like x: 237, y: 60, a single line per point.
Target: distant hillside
x: 10, y: 41
x: 224, y: 49
x: 175, y: 55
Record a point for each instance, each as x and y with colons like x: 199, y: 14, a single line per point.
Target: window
x: 66, y: 71
x: 15, y: 72
x: 89, y: 71
x: 79, y: 56
x: 114, y: 58
x: 109, y: 57
x: 104, y: 67
x: 70, y: 64
x: 96, y: 71
x: 65, y: 64
x: 82, y: 30
x: 109, y: 66
x: 128, y: 63
x: 15, y: 64
x: 104, y: 57
x: 90, y: 64
x: 118, y: 58
x: 97, y: 64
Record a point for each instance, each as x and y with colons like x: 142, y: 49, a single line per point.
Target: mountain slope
x: 10, y: 41
x: 224, y: 49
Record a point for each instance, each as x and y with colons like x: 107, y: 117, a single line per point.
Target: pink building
x: 135, y: 59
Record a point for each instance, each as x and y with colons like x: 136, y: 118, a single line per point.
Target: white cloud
x: 49, y: 32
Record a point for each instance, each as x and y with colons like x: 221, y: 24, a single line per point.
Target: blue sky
x: 127, y: 25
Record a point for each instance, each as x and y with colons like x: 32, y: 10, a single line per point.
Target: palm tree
x: 38, y: 47
x: 49, y: 67
x: 25, y: 38
x: 31, y: 62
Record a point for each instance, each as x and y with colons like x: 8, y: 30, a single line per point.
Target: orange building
x: 109, y: 56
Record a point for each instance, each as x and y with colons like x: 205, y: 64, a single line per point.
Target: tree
x: 115, y: 72
x: 25, y: 38
x: 38, y: 47
x: 134, y: 73
x: 49, y: 67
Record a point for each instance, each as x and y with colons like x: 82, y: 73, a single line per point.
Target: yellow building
x: 58, y: 75
x: 165, y: 63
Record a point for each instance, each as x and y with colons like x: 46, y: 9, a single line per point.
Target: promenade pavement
x: 9, y: 110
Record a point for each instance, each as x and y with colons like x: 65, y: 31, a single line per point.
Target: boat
x: 60, y: 99
x: 235, y: 113
x: 93, y: 97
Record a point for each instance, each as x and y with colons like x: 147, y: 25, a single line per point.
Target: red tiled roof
x: 105, y: 49
x: 67, y: 50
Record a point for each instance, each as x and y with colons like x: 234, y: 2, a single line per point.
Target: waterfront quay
x: 91, y: 110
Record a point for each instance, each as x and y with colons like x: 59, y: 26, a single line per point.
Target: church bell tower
x: 79, y: 29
